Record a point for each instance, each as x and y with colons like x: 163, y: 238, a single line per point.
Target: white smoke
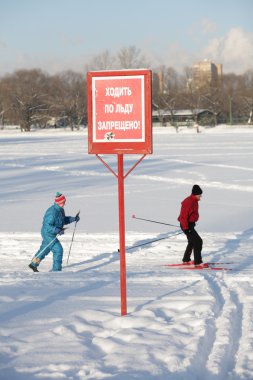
x: 234, y: 51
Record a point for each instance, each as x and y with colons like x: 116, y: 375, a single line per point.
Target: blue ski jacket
x: 55, y: 219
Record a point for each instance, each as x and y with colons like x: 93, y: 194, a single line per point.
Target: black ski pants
x: 195, y: 244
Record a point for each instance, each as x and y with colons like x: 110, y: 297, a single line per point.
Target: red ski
x: 193, y: 267
x: 205, y: 266
x: 192, y: 263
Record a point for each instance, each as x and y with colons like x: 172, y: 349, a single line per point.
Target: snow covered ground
x: 181, y: 324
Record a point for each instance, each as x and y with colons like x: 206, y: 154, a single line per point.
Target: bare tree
x: 2, y: 104
x: 190, y: 96
x: 103, y: 61
x: 248, y: 108
x: 211, y: 99
x: 25, y: 93
x: 68, y: 98
x: 246, y: 94
x: 232, y: 92
x: 166, y: 90
x: 131, y: 58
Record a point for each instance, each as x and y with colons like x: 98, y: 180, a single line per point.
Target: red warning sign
x: 119, y: 112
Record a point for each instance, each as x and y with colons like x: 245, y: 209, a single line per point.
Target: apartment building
x: 207, y: 73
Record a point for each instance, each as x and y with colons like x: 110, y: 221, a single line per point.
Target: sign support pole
x: 121, y: 203
x: 122, y: 234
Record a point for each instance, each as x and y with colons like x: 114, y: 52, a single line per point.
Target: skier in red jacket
x: 188, y: 217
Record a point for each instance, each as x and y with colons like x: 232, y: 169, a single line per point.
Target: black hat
x: 196, y: 190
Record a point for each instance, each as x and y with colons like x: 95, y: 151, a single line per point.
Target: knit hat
x: 59, y: 199
x: 196, y: 190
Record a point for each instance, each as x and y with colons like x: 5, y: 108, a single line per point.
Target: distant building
x: 180, y: 118
x: 206, y: 73
x: 159, y: 83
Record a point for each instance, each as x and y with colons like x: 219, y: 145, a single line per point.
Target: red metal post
x: 122, y: 234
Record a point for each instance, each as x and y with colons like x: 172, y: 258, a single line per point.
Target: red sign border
x: 110, y: 147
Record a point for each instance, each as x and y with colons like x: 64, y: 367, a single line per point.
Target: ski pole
x: 72, y: 237
x: 154, y: 221
x: 153, y: 241
x: 63, y: 229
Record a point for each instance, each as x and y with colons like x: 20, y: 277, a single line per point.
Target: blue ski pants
x: 46, y: 248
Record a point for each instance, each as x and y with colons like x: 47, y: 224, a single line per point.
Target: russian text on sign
x: 116, y: 92
x: 118, y: 125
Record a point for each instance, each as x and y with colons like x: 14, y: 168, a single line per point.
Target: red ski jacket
x: 189, y: 212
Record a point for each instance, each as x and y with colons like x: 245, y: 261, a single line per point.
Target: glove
x: 74, y: 219
x: 187, y: 232
x: 59, y: 231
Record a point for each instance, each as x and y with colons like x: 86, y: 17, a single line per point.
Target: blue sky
x: 56, y: 35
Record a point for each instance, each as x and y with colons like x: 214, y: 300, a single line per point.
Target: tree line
x: 33, y: 97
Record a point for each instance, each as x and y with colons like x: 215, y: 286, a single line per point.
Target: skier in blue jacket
x: 53, y: 223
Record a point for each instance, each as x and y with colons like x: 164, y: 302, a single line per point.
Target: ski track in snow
x: 194, y: 325
x: 199, y: 327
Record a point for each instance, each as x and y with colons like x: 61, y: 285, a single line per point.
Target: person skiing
x: 188, y: 217
x: 53, y: 223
